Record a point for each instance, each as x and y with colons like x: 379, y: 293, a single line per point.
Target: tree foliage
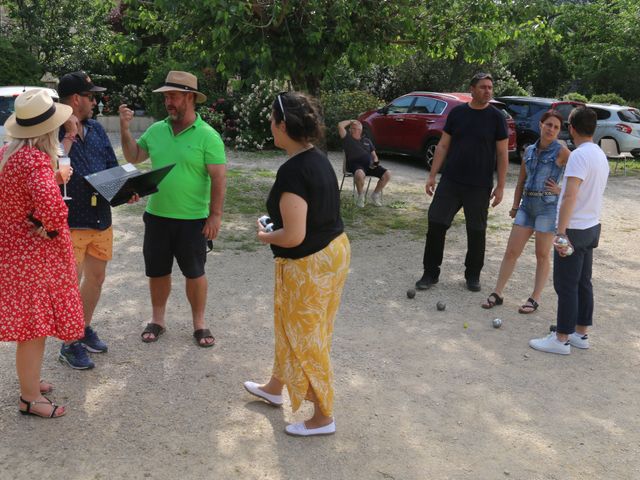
x: 300, y: 39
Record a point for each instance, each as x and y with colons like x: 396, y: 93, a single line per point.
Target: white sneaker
x: 551, y: 344
x: 579, y: 341
x: 376, y: 198
x: 360, y: 201
x: 299, y: 430
x: 254, y: 389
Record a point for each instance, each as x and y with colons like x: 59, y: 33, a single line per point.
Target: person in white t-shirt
x: 578, y: 232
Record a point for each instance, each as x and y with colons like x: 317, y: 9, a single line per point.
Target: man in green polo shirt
x: 186, y: 212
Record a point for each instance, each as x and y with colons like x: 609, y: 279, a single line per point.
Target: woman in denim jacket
x: 535, y: 202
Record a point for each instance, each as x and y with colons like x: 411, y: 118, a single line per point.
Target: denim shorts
x: 536, y: 213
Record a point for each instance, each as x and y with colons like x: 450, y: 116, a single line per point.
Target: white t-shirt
x: 588, y: 163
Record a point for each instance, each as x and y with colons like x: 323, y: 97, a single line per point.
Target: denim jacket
x: 540, y: 166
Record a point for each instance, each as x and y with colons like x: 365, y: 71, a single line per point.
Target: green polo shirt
x: 185, y: 192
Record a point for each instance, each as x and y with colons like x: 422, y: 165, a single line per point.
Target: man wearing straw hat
x: 186, y: 212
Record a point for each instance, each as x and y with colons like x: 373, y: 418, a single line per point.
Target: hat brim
x: 61, y: 115
x: 97, y: 89
x: 200, y: 97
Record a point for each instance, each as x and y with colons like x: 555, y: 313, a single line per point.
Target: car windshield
x: 632, y: 115
x: 6, y: 108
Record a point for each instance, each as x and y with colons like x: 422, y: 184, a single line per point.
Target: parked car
x: 526, y: 111
x: 619, y: 123
x: 413, y: 123
x: 7, y: 98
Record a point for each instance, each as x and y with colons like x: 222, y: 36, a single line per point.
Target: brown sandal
x: 36, y: 414
x: 202, y: 334
x: 152, y: 329
x: 493, y: 300
x: 529, y: 306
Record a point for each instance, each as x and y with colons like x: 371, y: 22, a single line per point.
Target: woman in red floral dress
x: 38, y: 285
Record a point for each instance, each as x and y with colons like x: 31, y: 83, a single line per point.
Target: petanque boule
x: 411, y: 293
x: 497, y: 323
x: 441, y: 306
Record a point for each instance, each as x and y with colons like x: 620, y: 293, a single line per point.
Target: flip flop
x: 529, y: 306
x: 492, y: 300
x: 201, y: 334
x: 155, y: 330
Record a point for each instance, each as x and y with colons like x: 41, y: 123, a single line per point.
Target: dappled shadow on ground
x: 419, y: 393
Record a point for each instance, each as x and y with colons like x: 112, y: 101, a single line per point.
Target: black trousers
x: 448, y: 199
x: 572, y: 280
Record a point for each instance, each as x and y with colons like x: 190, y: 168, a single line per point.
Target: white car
x: 620, y: 123
x: 7, y: 98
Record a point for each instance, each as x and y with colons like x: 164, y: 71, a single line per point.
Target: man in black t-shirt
x: 474, y: 139
x: 362, y: 161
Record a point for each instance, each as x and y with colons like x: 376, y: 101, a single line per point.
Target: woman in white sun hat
x: 38, y: 286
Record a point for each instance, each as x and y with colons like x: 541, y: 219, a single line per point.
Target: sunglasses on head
x: 284, y: 116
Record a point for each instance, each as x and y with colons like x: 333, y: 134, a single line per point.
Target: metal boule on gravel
x: 411, y: 293
x: 441, y: 306
x: 497, y: 323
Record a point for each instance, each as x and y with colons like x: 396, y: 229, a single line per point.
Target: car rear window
x: 601, y: 113
x: 564, y: 109
x: 632, y: 115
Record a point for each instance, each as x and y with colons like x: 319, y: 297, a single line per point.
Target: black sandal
x: 493, y: 300
x: 153, y: 329
x: 36, y: 414
x: 202, y: 334
x: 529, y: 306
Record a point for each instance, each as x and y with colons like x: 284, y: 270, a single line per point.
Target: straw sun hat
x: 177, y: 81
x: 36, y: 114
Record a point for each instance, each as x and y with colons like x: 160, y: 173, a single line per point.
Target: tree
x: 301, y: 39
x: 64, y: 35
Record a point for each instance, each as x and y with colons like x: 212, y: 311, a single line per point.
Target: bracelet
x: 514, y: 208
x: 70, y: 137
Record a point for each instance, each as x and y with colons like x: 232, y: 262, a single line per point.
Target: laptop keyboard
x: 109, y: 189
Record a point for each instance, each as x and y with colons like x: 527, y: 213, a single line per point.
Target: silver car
x: 619, y: 123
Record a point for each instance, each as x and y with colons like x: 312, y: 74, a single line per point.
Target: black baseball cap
x: 76, y: 82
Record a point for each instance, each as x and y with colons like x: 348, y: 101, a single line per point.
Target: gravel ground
x: 418, y: 395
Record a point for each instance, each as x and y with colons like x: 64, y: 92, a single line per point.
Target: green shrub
x: 344, y: 105
x: 17, y: 66
x: 575, y: 96
x: 612, y: 98
x: 253, y: 111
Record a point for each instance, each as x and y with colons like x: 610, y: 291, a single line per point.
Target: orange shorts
x: 97, y: 243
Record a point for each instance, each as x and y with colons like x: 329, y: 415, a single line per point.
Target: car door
x: 604, y: 123
x: 389, y: 126
x: 419, y: 121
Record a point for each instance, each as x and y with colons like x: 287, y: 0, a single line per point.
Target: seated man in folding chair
x: 362, y: 161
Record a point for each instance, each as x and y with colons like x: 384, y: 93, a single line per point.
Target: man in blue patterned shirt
x: 87, y: 144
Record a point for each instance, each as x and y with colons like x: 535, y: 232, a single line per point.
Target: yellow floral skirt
x: 307, y: 296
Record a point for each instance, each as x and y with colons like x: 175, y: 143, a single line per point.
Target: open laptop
x: 119, y: 184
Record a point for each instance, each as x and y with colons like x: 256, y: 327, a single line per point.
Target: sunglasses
x: 284, y: 117
x: 90, y: 96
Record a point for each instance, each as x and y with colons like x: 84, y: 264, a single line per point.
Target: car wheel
x: 430, y: 151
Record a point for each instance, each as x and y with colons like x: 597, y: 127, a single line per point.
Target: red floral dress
x: 38, y: 285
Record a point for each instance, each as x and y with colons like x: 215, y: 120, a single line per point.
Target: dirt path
x: 418, y: 395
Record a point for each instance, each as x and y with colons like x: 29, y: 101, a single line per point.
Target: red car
x: 412, y: 124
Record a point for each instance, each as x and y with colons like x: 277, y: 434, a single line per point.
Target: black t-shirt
x: 471, y: 159
x: 354, y: 149
x: 310, y: 176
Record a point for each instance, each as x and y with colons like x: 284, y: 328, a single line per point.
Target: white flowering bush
x: 253, y: 112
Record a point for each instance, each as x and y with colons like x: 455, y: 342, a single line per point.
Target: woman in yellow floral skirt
x: 312, y: 256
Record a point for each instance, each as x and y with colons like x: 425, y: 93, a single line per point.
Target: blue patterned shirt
x: 87, y: 208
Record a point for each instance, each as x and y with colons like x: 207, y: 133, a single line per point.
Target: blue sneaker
x: 91, y: 341
x: 75, y: 356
